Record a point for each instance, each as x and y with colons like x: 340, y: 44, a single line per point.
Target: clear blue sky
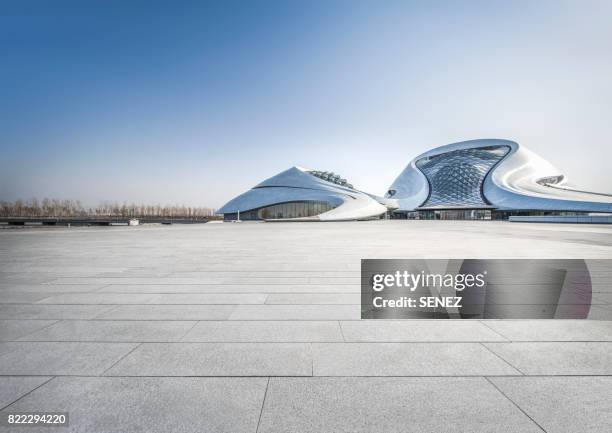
x: 195, y: 102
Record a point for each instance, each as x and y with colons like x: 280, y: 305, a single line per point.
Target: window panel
x: 456, y: 177
x: 299, y: 209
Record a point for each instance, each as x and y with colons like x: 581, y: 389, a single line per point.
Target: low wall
x: 582, y: 219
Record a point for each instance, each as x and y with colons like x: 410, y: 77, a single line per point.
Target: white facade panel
x: 302, y: 185
x: 520, y: 180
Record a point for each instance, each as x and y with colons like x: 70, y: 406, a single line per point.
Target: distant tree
x: 56, y: 208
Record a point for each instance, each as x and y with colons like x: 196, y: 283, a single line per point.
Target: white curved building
x: 300, y: 194
x: 488, y: 178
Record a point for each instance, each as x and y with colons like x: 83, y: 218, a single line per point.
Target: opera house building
x: 299, y: 194
x: 476, y: 179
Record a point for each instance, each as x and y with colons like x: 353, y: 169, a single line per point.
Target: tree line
x: 54, y: 208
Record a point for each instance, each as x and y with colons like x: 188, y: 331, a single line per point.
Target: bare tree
x: 56, y: 208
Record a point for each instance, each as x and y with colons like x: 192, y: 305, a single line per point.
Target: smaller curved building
x: 301, y: 194
x: 488, y: 179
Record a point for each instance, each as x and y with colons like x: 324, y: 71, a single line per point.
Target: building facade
x: 477, y: 179
x: 301, y: 194
x: 488, y: 179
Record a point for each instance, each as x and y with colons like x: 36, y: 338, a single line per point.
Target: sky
x: 195, y: 102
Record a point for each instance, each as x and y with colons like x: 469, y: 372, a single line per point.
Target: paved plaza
x: 255, y: 327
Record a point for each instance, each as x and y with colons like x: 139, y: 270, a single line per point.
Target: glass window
x: 456, y: 177
x: 299, y: 209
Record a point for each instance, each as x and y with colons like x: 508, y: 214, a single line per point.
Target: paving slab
x: 50, y: 288
x: 138, y: 404
x: 263, y: 273
x: 600, y: 312
x: 557, y: 358
x: 264, y: 331
x: 13, y: 329
x: 296, y: 312
x: 15, y: 387
x: 178, y: 273
x: 605, y: 298
x: 388, y: 405
x: 527, y: 312
x: 15, y: 297
x: 20, y: 278
x: 553, y: 330
x: 406, y: 359
x: 228, y: 278
x: 159, y: 287
x: 67, y: 268
x: 315, y: 298
x: 51, y: 359
x: 417, y: 331
x: 209, y: 298
x: 98, y: 298
x: 113, y: 331
x: 563, y: 404
x: 52, y: 312
x: 169, y: 312
x: 216, y: 359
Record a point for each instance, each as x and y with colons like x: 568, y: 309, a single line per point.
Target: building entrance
x: 455, y: 214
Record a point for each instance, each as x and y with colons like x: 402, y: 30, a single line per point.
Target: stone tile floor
x: 255, y: 327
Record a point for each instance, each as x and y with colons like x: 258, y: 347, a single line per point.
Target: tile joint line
x: 28, y: 393
x: 483, y: 322
x: 514, y: 403
x: 262, y: 404
x: 493, y: 352
x: 121, y: 359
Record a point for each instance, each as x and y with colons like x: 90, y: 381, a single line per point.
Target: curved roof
x: 520, y: 180
x: 300, y: 184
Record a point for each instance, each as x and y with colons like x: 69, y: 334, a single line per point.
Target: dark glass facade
x: 456, y: 214
x: 294, y: 209
x: 476, y: 214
